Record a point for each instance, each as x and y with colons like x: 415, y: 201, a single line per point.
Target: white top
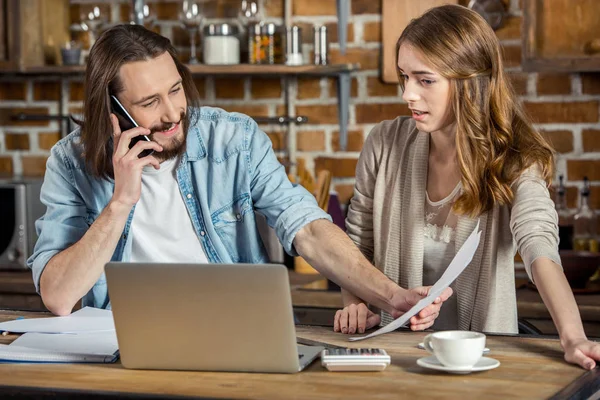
x: 439, y: 250
x: 161, y: 228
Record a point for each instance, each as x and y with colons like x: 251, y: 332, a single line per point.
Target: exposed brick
x: 572, y: 197
x: 355, y: 141
x: 125, y: 12
x: 200, y: 86
x: 366, y: 7
x: 561, y: 141
x: 278, y: 139
x: 374, y: 113
x: 34, y: 165
x: 76, y: 111
x: 344, y: 192
x: 13, y: 90
x: 313, y: 7
x: 274, y: 8
x: 339, y: 167
x: 310, y: 141
x: 16, y: 141
x: 181, y: 37
x: 309, y: 88
x: 591, y: 139
x: 519, y: 82
x: 223, y: 8
x: 229, y: 88
x: 375, y: 87
x: 577, y: 169
x: 6, y: 166
x: 372, y: 32
x: 331, y: 90
x: 512, y: 56
x: 574, y: 112
x: 590, y: 83
x: 76, y: 91
x: 251, y: 110
x: 7, y: 116
x: 47, y: 140
x: 595, y: 197
x: 511, y: 29
x: 167, y: 10
x: 367, y: 58
x: 266, y: 88
x: 553, y: 83
x: 319, y: 114
x: 332, y: 32
x: 48, y: 91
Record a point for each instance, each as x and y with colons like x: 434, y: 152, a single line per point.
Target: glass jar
x: 256, y: 53
x: 273, y: 44
x: 221, y: 45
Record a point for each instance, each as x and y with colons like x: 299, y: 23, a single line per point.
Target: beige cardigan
x: 386, y: 221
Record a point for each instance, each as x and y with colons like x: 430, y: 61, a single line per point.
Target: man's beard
x: 176, y: 146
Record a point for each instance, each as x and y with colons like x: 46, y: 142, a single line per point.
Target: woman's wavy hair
x: 117, y: 46
x: 495, y: 139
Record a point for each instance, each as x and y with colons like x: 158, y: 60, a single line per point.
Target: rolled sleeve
x: 64, y: 222
x: 534, y: 221
x: 287, y: 207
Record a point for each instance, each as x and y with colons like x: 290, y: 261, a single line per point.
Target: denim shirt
x: 228, y: 172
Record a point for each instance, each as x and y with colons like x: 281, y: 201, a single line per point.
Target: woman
x: 467, y: 154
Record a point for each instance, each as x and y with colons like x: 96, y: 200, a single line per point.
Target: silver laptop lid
x: 213, y: 317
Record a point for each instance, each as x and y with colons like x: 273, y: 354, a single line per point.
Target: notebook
x: 84, y: 346
x: 99, y: 347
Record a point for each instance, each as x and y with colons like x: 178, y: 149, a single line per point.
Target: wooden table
x: 530, y: 368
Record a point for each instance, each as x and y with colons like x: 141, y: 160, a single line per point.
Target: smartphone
x: 126, y: 122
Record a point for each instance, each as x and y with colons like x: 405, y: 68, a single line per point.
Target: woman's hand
x: 582, y: 352
x: 355, y: 318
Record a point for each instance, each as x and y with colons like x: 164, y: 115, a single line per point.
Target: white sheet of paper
x: 9, y: 353
x: 104, y: 343
x: 457, y: 266
x: 85, y: 320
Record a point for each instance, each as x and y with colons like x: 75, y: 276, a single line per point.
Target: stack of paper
x: 86, y: 336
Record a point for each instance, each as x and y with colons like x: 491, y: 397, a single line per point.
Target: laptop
x: 205, y: 317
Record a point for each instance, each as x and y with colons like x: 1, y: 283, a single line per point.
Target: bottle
x: 565, y: 217
x: 584, y: 223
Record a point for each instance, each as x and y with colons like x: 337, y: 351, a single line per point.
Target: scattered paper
x: 104, y: 343
x: 457, y: 266
x: 87, y: 319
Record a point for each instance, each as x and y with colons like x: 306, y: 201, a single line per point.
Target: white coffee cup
x: 456, y: 349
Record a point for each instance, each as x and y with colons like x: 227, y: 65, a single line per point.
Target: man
x: 192, y: 200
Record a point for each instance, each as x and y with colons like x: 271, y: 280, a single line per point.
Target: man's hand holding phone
x: 126, y: 162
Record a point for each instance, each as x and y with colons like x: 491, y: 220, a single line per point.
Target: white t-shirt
x: 161, y: 228
x: 439, y: 250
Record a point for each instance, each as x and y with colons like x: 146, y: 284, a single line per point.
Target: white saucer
x: 422, y: 347
x: 483, y: 364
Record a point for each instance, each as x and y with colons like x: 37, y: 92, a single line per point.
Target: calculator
x: 348, y: 359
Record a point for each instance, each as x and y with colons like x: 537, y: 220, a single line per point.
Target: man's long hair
x: 495, y: 140
x: 117, y: 46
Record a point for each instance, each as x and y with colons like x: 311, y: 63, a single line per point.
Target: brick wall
x: 564, y: 106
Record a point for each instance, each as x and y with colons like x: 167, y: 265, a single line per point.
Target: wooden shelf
x: 555, y: 36
x: 203, y: 69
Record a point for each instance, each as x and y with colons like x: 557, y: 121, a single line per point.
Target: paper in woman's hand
x: 457, y: 266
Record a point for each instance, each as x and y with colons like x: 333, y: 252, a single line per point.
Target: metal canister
x: 294, y: 46
x: 321, y: 45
